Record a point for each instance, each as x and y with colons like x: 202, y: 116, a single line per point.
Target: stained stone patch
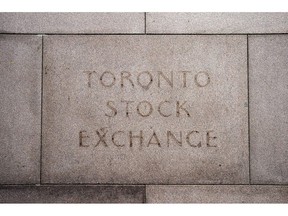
x: 72, y: 194
x: 145, y: 109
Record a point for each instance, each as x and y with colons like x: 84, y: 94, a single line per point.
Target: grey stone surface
x: 20, y: 96
x: 217, y: 194
x: 83, y: 101
x: 72, y: 194
x: 217, y: 23
x: 268, y: 108
x: 72, y: 23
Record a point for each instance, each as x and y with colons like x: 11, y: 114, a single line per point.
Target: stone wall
x: 144, y: 107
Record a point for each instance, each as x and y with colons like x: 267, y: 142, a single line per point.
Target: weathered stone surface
x: 20, y: 96
x: 72, y: 194
x: 217, y: 194
x: 85, y: 98
x: 72, y: 23
x: 268, y: 108
x: 217, y: 23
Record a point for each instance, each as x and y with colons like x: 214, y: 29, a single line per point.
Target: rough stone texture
x: 20, y: 96
x: 268, y: 108
x: 72, y: 194
x: 72, y: 104
x: 217, y: 194
x: 217, y: 23
x: 72, y: 23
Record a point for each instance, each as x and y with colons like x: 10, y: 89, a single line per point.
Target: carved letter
x: 188, y: 139
x: 169, y: 134
x: 185, y: 78
x: 150, y: 108
x: 127, y: 106
x: 180, y: 106
x: 150, y: 80
x: 109, y: 104
x: 197, y: 79
x: 113, y: 79
x: 81, y: 137
x: 113, y: 138
x: 101, y: 137
x: 159, y: 109
x: 126, y: 76
x: 156, y: 139
x: 170, y: 82
x: 89, y: 73
x: 208, y: 138
x: 140, y: 137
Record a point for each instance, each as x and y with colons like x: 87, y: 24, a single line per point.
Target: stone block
x: 72, y: 194
x: 217, y: 23
x: 217, y: 194
x: 20, y: 110
x: 71, y: 23
x: 268, y: 108
x: 145, y: 109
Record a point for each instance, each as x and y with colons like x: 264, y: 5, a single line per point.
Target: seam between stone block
x: 41, y: 110
x: 145, y: 23
x: 83, y: 34
x: 145, y: 194
x: 248, y: 95
x: 138, y: 185
x: 153, y: 184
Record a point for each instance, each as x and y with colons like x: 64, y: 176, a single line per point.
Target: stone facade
x: 143, y: 107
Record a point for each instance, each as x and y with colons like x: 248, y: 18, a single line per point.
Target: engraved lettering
x: 189, y: 141
x: 176, y: 138
x: 113, y: 138
x: 145, y: 104
x: 101, y: 137
x: 145, y: 86
x: 111, y: 106
x: 89, y: 74
x: 112, y: 81
x: 202, y: 79
x: 178, y: 141
x: 145, y: 79
x: 209, y: 138
x: 169, y: 81
x: 81, y: 137
x: 180, y: 107
x: 184, y: 73
x: 159, y: 109
x: 156, y: 142
x: 131, y: 137
x: 126, y: 75
x: 127, y: 106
